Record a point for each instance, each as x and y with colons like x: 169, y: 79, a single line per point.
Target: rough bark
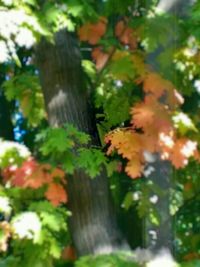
x: 93, y: 223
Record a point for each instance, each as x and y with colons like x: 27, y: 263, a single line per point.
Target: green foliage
x: 59, y: 144
x: 113, y: 260
x: 67, y: 147
x: 26, y: 89
x: 12, y: 154
x: 194, y: 263
x: 114, y: 96
x: 91, y: 160
x: 158, y: 24
x: 122, y: 68
x: 117, y: 6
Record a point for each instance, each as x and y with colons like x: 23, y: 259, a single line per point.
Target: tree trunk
x: 93, y: 224
x: 163, y: 235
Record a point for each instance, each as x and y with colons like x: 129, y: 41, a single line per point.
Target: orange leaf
x: 119, y: 28
x: 142, y: 115
x: 99, y: 57
x: 150, y: 140
x: 20, y: 174
x: 56, y: 194
x: 182, y: 151
x: 151, y: 113
x: 134, y: 168
x: 126, y: 35
x: 69, y: 253
x: 127, y: 143
x: 174, y: 99
x: 40, y: 176
x: 93, y: 32
x: 156, y: 85
x: 34, y: 175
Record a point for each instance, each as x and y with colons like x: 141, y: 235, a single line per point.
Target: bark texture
x: 93, y: 223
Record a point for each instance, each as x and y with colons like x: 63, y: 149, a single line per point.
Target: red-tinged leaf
x: 33, y: 175
x: 119, y: 28
x: 134, y: 168
x: 191, y: 256
x: 197, y: 155
x: 188, y: 186
x: 56, y: 194
x: 59, y: 174
x: 40, y: 176
x: 99, y: 57
x: 126, y: 35
x: 93, y: 32
x: 27, y: 169
x: 8, y: 173
x: 69, y: 253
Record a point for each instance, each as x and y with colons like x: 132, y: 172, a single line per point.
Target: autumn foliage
x: 35, y: 175
x: 152, y: 129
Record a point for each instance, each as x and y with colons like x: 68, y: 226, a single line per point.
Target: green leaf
x: 154, y: 217
x: 117, y: 109
x: 52, y: 221
x: 117, y: 6
x: 183, y: 123
x: 112, y: 260
x: 75, y: 7
x: 68, y: 163
x: 89, y: 68
x: 56, y: 141
x: 122, y: 68
x: 26, y: 89
x: 128, y: 201
x: 78, y: 136
x: 91, y: 160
